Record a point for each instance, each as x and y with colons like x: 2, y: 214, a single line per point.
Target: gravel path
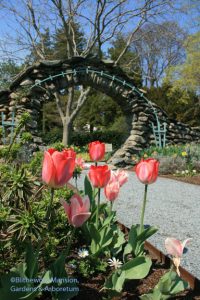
x: 172, y: 206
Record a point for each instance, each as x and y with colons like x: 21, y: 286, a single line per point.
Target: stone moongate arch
x: 105, y: 77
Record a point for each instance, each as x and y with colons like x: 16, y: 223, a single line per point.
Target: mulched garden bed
x: 192, y: 180
x: 187, y: 179
x: 89, y: 289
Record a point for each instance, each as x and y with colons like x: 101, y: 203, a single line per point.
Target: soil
x: 187, y: 179
x: 89, y: 289
x: 192, y: 180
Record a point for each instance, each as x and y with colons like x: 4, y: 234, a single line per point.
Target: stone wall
x: 25, y: 95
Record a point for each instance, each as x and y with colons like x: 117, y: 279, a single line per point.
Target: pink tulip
x: 78, y: 210
x: 122, y: 176
x: 80, y: 163
x: 175, y: 248
x: 57, y: 168
x: 147, y: 170
x: 111, y: 190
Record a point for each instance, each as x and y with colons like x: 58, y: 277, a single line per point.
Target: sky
x: 10, y: 29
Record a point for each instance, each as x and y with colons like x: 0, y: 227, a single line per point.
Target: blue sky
x: 9, y: 26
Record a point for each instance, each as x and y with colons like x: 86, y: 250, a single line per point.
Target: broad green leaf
x: 115, y: 281
x: 137, y: 268
x: 94, y: 233
x: 31, y: 262
x: 88, y: 189
x: 58, y: 272
x: 169, y: 285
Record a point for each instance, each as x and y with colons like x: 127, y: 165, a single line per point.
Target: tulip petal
x: 174, y: 247
x: 75, y: 204
x: 48, y: 169
x: 86, y: 203
x: 79, y: 219
x: 143, y: 172
x: 185, y: 242
x: 64, y: 167
x: 67, y: 209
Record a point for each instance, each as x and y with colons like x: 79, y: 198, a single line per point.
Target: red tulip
x: 96, y: 150
x: 58, y: 168
x: 78, y: 210
x: 122, y: 176
x: 147, y: 170
x: 70, y: 153
x: 111, y: 190
x: 99, y: 176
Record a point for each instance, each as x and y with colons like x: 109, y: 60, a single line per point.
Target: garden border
x: 161, y: 257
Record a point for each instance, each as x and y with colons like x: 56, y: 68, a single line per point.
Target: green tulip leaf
x: 88, y: 189
x: 137, y: 268
x: 115, y: 281
x: 169, y: 285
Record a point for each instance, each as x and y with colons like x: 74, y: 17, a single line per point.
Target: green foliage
x: 175, y: 159
x: 179, y: 104
x: 114, y: 137
x: 168, y: 286
x: 8, y: 70
x: 88, y: 266
x: 137, y: 268
x: 26, y: 270
x: 135, y: 245
x: 25, y: 137
x: 25, y: 225
x: 58, y: 271
x: 53, y: 135
x: 12, y: 153
x: 104, y: 114
x: 130, y: 62
x: 186, y: 75
x: 35, y: 165
x: 18, y: 189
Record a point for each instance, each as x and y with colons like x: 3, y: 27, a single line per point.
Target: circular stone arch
x: 101, y: 75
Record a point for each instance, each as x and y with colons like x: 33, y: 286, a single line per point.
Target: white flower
x: 177, y: 171
x: 186, y: 171
x: 115, y: 263
x: 83, y: 253
x: 194, y: 171
x: 183, y: 172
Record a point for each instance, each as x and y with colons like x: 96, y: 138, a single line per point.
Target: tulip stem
x: 143, y: 209
x: 49, y: 209
x: 98, y: 204
x: 111, y: 205
x: 70, y: 241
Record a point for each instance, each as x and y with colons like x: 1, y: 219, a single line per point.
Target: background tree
x: 158, y: 47
x: 8, y: 70
x: 187, y: 74
x: 100, y: 20
x: 130, y: 62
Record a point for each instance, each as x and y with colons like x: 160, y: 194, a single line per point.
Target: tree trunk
x: 66, y: 133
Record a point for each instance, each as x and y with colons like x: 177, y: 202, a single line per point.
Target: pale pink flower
x: 175, y: 248
x: 111, y: 190
x: 122, y: 176
x: 79, y: 162
x: 78, y: 210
